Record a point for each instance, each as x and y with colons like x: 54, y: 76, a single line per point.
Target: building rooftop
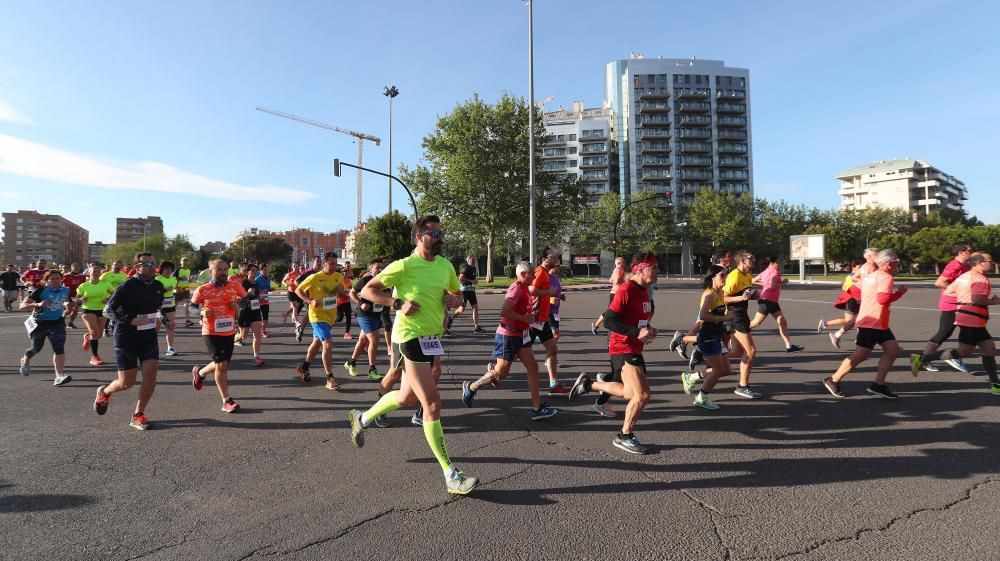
x: 883, y: 165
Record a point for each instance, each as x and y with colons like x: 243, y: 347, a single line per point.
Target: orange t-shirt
x: 963, y: 289
x: 873, y: 315
x: 541, y: 304
x: 291, y: 280
x: 223, y: 302
x: 345, y: 296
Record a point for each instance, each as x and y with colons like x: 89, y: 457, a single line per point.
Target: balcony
x: 732, y: 148
x: 652, y: 148
x: 731, y: 107
x: 732, y: 121
x: 588, y: 136
x: 654, y: 107
x: 703, y: 175
x: 654, y: 121
x: 734, y: 175
x: 695, y: 120
x: 601, y: 148
x: 656, y: 174
x: 690, y: 188
x: 732, y: 135
x: 657, y: 95
x: 731, y: 95
x: 733, y: 161
x: 556, y: 140
x: 695, y: 147
x: 595, y: 175
x: 695, y: 106
x: 594, y: 162
x: 654, y: 133
x: 549, y: 153
x: 653, y: 161
x: 695, y: 133
x: 734, y: 188
x: 695, y: 161
x: 697, y: 93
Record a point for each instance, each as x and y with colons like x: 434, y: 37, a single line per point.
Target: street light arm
x: 413, y: 201
x: 621, y: 212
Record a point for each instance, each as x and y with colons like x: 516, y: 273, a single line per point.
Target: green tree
x: 476, y: 177
x: 258, y: 249
x: 717, y: 220
x: 390, y: 234
x: 645, y: 225
x: 162, y: 247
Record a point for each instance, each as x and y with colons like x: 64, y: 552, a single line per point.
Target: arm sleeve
x: 115, y: 308
x: 613, y: 322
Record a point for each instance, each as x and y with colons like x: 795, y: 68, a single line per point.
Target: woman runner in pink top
x: 771, y: 281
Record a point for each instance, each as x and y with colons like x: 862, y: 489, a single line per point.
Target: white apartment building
x: 680, y: 125
x: 581, y: 144
x: 905, y: 184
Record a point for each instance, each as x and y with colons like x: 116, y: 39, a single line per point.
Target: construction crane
x: 360, y: 137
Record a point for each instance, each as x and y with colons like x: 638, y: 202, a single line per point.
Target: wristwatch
x: 397, y: 304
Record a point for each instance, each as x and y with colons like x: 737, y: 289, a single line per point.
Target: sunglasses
x: 436, y: 234
x: 147, y: 263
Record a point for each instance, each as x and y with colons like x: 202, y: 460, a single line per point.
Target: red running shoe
x: 196, y: 379
x: 139, y: 421
x: 230, y: 406
x: 101, y: 402
x: 86, y: 341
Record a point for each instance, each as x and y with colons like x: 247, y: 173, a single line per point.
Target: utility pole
x: 390, y: 92
x: 532, y: 212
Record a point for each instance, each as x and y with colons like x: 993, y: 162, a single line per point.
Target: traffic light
x: 336, y: 167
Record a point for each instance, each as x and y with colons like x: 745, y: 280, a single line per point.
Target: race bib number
x: 224, y: 324
x: 30, y: 324
x: 255, y: 304
x: 431, y: 346
x: 329, y: 303
x: 264, y: 297
x: 148, y: 322
x: 555, y: 317
x: 526, y: 338
x: 168, y: 303
x: 538, y: 325
x: 643, y: 323
x: 377, y: 308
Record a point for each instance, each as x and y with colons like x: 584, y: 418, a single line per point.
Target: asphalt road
x: 798, y: 475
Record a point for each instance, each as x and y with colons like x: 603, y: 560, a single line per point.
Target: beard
x: 436, y: 247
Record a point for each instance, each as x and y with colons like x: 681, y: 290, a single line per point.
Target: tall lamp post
x: 532, y: 213
x: 144, y: 227
x: 390, y: 92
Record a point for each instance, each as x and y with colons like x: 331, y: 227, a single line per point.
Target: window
x: 697, y: 79
x: 572, y: 149
x: 572, y: 137
x: 729, y: 80
x: 305, y: 241
x: 687, y: 78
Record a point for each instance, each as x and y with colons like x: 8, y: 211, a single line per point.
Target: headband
x: 640, y: 266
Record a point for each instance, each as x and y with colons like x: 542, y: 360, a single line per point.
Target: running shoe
x: 689, y: 380
x: 139, y: 421
x: 682, y: 350
x: 351, y: 369
x: 331, y: 383
x: 696, y: 358
x: 417, y: 418
x: 298, y: 333
x: 834, y: 340
x: 957, y: 363
x: 303, y: 374
x: 543, y: 412
x: 230, y: 406
x: 929, y: 366
x: 605, y: 410
x: 794, y: 349
x: 257, y: 361
x: 747, y: 392
x: 96, y: 361
x: 348, y: 336
x: 265, y: 335
x: 468, y: 396
x: 171, y: 351
x: 629, y: 444
x: 238, y: 342
x: 675, y: 341
x: 882, y: 391
x: 702, y: 400
x: 448, y: 333
x: 479, y: 330
x: 461, y: 484
x: 70, y: 325
x: 593, y: 329
x: 580, y: 386
x: 25, y: 369
x: 196, y: 379
x: 382, y: 422
x: 558, y: 389
x: 995, y: 389
x: 62, y: 379
x: 188, y: 323
x: 603, y: 377
x: 833, y: 387
x: 916, y: 363
x: 821, y: 326
x: 357, y: 429
x: 373, y: 374
x: 86, y: 342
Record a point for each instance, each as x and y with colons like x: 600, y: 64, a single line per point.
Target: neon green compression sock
x: 435, y: 438
x: 385, y: 404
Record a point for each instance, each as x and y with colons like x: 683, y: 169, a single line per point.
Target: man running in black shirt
x: 467, y: 279
x: 8, y: 283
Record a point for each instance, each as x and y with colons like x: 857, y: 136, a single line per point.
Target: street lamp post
x: 532, y: 213
x: 336, y: 172
x: 390, y: 92
x: 144, y: 228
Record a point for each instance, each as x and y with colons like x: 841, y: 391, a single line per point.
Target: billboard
x: 807, y: 247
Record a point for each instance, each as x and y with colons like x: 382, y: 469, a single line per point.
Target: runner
x: 47, y: 304
x: 290, y: 281
x: 713, y: 315
x: 250, y: 315
x: 555, y: 302
x: 165, y: 276
x: 873, y: 327
x: 616, y: 280
x: 426, y: 283
x: 541, y: 291
x: 770, y: 281
x: 370, y: 321
x: 71, y: 281
x: 869, y: 267
x: 468, y: 281
x: 94, y: 294
x: 317, y: 265
x: 724, y: 259
x: 849, y: 301
x: 9, y: 280
x: 738, y: 291
x: 34, y: 277
x: 115, y: 277
x: 219, y: 301
x: 947, y: 305
x: 513, y: 340
x: 182, y: 294
x: 344, y: 309
x: 135, y: 308
x: 321, y: 291
x: 628, y: 320
x: 264, y: 293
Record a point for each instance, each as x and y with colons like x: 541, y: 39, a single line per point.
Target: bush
x: 277, y: 272
x: 508, y: 271
x: 565, y: 272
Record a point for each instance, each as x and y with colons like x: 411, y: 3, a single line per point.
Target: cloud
x: 9, y: 114
x: 26, y: 158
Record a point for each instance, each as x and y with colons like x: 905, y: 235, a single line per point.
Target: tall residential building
x: 905, y: 184
x: 681, y: 125
x: 131, y: 230
x: 29, y: 236
x: 214, y: 248
x: 582, y: 144
x: 95, y: 252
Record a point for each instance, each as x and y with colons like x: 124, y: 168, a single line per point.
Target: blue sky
x: 117, y: 108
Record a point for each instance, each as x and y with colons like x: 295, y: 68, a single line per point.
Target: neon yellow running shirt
x: 94, y: 295
x: 424, y: 282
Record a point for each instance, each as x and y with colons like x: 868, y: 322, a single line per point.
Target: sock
x: 450, y: 321
x: 93, y: 347
x: 435, y: 438
x: 701, y: 375
x: 553, y: 383
x: 450, y: 473
x: 933, y: 356
x: 990, y: 364
x: 305, y: 365
x: 225, y: 399
x: 385, y: 404
x: 353, y: 362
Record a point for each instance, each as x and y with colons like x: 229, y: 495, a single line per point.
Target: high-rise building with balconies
x: 581, y: 143
x: 131, y: 230
x: 680, y: 126
x: 907, y: 184
x: 29, y: 236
